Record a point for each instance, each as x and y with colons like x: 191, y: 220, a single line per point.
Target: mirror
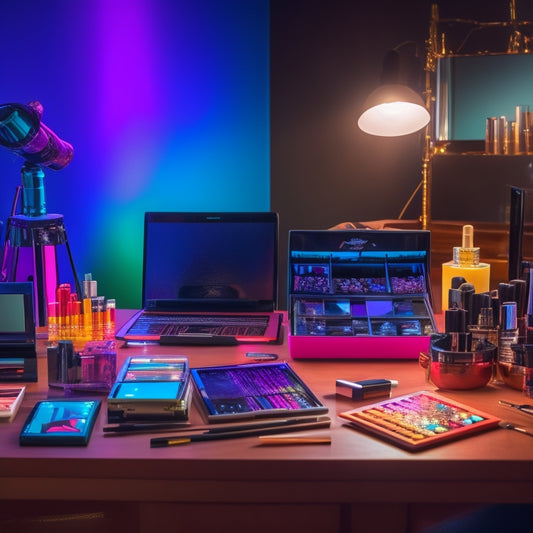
x: 469, y: 89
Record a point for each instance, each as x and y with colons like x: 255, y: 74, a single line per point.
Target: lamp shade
x: 393, y: 110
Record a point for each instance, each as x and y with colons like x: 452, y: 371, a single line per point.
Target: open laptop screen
x: 208, y: 260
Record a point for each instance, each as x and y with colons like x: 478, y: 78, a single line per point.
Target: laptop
x: 208, y: 278
x: 18, y: 355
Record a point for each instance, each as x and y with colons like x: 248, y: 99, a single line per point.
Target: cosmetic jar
x: 454, y: 370
x: 518, y: 373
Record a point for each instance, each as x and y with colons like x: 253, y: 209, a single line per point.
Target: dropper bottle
x: 465, y: 263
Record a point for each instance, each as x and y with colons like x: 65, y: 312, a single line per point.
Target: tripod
x: 31, y: 241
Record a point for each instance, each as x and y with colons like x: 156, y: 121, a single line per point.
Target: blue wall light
x: 166, y: 103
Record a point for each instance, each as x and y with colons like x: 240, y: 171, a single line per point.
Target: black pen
x: 163, y: 442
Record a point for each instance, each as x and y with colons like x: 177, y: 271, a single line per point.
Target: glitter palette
x: 419, y: 420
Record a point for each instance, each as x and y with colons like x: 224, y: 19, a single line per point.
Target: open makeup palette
x: 359, y: 293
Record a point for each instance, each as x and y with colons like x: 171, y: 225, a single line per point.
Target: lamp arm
x: 411, y: 198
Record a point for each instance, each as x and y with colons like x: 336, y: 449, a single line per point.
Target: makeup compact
x: 359, y: 293
x: 448, y: 368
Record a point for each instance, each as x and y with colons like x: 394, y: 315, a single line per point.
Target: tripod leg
x: 74, y: 272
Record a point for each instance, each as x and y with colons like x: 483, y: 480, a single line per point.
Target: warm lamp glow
x: 393, y: 110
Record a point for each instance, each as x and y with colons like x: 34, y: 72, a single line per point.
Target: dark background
x: 326, y: 58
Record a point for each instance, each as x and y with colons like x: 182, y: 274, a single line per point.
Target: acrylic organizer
x: 451, y: 369
x: 359, y: 293
x: 92, y: 369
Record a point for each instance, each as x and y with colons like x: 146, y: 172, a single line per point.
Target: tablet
x: 254, y: 390
x: 60, y: 423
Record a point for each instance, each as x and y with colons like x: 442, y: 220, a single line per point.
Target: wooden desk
x: 359, y: 483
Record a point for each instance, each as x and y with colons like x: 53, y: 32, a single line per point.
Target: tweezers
x: 525, y: 408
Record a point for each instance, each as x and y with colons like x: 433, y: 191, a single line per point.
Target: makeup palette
x: 419, y: 420
x: 359, y: 294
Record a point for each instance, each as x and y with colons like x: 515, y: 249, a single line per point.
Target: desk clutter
x: 488, y: 334
x: 352, y: 294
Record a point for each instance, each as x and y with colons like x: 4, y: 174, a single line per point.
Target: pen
x: 525, y: 408
x: 163, y: 442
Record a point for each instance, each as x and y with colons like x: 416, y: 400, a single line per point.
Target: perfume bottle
x: 466, y: 264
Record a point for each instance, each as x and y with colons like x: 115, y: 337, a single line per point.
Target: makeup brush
x: 508, y: 425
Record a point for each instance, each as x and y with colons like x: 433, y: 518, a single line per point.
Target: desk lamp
x: 389, y: 113
x: 393, y: 109
x: 22, y: 132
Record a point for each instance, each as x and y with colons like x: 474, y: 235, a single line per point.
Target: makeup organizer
x: 359, y: 293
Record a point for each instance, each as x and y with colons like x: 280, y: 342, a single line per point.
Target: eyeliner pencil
x: 163, y: 442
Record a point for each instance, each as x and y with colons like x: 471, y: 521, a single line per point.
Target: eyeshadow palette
x: 359, y: 293
x: 419, y: 420
x: 150, y: 388
x: 254, y: 390
x: 10, y: 400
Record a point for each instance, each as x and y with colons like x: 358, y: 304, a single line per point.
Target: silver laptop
x: 208, y: 278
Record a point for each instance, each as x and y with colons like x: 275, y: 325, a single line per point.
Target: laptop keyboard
x: 172, y: 324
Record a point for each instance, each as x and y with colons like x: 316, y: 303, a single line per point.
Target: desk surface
x: 495, y: 466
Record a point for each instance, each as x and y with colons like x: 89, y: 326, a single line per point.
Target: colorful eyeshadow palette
x: 254, y: 390
x: 419, y: 420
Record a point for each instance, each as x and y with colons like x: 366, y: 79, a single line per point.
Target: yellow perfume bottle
x: 466, y: 264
